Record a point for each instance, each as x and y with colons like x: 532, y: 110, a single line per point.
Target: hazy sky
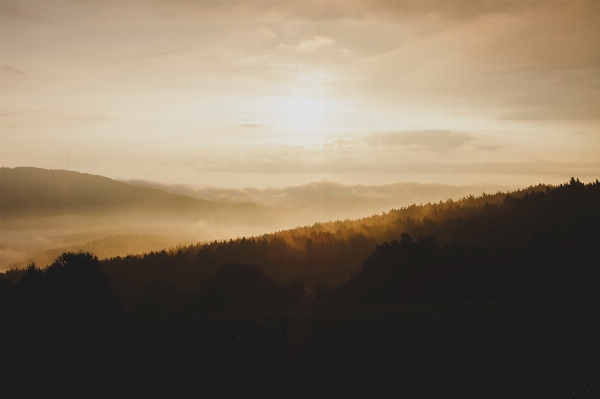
x: 273, y: 93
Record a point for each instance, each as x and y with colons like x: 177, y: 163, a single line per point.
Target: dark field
x: 546, y: 348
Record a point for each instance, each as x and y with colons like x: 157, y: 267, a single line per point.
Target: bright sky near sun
x: 274, y: 93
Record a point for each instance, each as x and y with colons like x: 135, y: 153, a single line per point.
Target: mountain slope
x: 332, y: 252
x: 33, y: 192
x: 42, y: 209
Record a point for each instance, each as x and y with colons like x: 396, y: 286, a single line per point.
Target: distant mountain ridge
x: 330, y: 200
x: 32, y: 192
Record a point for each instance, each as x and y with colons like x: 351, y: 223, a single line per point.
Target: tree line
x: 330, y: 253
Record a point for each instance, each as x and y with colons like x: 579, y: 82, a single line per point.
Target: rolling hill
x: 330, y: 253
x: 42, y: 210
x: 33, y: 192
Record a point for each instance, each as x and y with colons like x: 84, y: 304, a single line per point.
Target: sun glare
x: 302, y: 113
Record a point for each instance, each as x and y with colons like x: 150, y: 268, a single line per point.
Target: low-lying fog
x: 328, y: 200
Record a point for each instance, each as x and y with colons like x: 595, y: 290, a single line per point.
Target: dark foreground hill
x: 491, y: 297
x: 63, y: 335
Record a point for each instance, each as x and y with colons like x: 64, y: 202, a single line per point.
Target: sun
x: 302, y: 113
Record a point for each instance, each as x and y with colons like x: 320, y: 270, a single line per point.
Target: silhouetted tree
x: 393, y: 269
x: 245, y: 288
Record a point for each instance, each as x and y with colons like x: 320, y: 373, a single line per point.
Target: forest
x: 488, y: 296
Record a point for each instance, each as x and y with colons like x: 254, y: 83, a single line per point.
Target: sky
x: 278, y: 93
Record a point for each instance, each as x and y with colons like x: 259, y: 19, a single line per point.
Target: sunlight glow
x: 302, y: 113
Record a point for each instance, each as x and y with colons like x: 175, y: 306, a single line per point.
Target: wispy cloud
x: 315, y: 43
x: 327, y: 10
x: 419, y: 140
x: 9, y: 69
x: 16, y: 13
x: 26, y: 120
x: 490, y: 147
x: 254, y: 125
x: 155, y: 55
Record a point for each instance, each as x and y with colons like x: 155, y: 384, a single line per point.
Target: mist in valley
x: 45, y: 212
x: 325, y: 200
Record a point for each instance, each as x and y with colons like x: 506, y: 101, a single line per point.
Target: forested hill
x: 486, y: 297
x: 332, y: 252
x: 28, y: 192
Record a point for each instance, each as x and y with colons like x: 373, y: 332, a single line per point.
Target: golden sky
x: 275, y: 93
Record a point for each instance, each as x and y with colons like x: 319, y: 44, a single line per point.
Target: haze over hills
x: 329, y: 200
x: 105, y: 247
x: 331, y: 252
x: 42, y: 210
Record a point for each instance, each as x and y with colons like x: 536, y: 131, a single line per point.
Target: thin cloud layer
x: 419, y: 140
x: 339, y: 9
x: 9, y: 69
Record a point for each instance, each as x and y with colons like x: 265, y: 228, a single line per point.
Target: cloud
x: 451, y: 10
x: 555, y: 110
x: 393, y: 167
x: 324, y: 10
x: 10, y: 12
x: 429, y: 140
x: 15, y: 123
x: 490, y: 147
x: 254, y: 125
x: 315, y: 43
x: 9, y: 69
x: 155, y: 55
